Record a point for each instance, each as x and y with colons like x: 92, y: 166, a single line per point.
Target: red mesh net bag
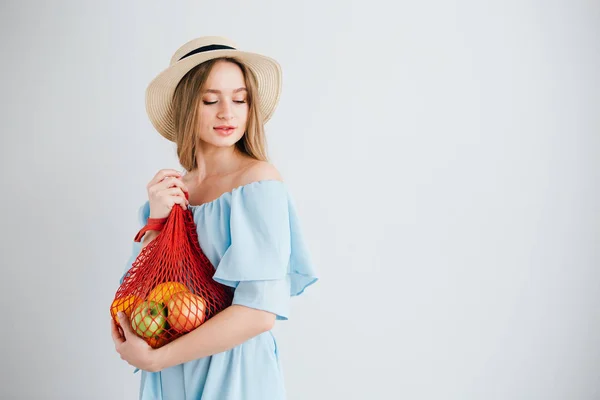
x: 169, y: 290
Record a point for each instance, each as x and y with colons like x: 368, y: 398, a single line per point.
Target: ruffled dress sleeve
x: 267, y: 261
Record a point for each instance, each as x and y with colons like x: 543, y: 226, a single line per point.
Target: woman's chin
x: 223, y: 141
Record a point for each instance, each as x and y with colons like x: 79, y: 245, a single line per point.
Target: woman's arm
x: 148, y: 237
x: 229, y: 328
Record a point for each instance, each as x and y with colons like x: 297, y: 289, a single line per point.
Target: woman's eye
x: 208, y: 103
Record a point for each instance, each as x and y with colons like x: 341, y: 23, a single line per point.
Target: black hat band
x: 210, y: 47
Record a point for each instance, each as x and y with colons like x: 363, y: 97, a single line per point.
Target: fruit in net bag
x: 186, y: 311
x: 169, y: 289
x: 149, y: 319
x: 163, y: 292
x: 125, y: 304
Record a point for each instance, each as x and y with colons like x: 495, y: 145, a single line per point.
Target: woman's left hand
x: 133, y: 348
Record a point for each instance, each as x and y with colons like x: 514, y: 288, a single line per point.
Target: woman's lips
x: 224, y: 131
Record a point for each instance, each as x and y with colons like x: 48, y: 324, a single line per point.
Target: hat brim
x: 159, y: 93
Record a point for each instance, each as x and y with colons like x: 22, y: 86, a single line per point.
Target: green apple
x: 149, y: 319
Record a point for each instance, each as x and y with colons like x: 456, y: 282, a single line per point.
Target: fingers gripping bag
x: 169, y: 290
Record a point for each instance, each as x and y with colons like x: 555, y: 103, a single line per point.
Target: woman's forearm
x: 148, y: 237
x: 229, y: 328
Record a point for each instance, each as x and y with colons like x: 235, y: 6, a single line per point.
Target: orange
x: 162, y: 293
x: 124, y: 304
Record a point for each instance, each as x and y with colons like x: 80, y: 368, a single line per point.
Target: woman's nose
x: 225, y: 111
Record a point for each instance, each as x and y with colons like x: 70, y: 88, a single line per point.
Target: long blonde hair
x: 186, y: 102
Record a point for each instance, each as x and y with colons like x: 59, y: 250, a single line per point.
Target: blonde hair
x: 186, y: 102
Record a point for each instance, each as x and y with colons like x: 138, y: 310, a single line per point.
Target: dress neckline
x: 230, y: 192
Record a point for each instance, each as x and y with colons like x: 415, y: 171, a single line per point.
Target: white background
x: 444, y: 157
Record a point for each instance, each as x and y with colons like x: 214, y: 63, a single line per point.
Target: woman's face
x: 223, y: 107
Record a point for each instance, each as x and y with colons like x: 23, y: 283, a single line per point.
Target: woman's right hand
x: 164, y: 191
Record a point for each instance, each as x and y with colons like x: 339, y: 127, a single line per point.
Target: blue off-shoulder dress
x: 253, y: 238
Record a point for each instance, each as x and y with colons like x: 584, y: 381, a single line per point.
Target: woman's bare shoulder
x: 259, y: 171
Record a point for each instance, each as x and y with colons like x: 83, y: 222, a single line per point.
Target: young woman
x: 212, y: 102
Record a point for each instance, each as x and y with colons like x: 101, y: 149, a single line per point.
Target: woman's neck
x: 218, y: 162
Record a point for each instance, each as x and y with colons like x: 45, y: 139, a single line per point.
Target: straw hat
x: 159, y: 93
